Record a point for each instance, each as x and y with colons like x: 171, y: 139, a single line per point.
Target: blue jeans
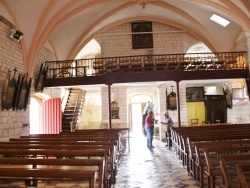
x: 150, y: 133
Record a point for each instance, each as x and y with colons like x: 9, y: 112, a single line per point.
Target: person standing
x: 143, y: 122
x: 167, y: 123
x: 149, y: 128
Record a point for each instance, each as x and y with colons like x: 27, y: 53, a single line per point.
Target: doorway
x: 137, y: 119
x: 137, y: 105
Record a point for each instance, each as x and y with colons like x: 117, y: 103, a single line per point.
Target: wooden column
x: 178, y: 103
x: 109, y: 105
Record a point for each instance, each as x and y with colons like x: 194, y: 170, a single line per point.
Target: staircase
x: 72, y: 109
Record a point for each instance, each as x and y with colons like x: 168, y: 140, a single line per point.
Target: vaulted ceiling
x: 68, y: 25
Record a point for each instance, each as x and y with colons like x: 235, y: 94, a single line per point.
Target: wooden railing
x: 142, y: 63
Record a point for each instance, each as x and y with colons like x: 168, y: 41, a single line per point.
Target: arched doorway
x: 36, y: 101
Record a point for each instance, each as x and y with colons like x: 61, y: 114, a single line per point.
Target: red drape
x: 51, y: 116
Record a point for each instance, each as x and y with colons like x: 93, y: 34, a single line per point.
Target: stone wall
x: 166, y: 40
x: 12, y: 123
x: 240, y: 113
x: 46, y: 55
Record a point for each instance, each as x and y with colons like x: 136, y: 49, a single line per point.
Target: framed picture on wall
x: 194, y: 94
x: 9, y: 93
x: 142, y: 36
x: 171, y: 101
x: 41, y: 78
x: 228, y: 97
x: 114, y: 112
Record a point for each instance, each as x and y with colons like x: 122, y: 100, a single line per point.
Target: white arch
x: 198, y: 48
x: 90, y: 49
x: 35, y: 104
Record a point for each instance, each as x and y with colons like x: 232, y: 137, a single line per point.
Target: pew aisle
x: 139, y: 168
x: 156, y: 168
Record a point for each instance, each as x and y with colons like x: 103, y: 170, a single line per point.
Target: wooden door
x: 216, y: 108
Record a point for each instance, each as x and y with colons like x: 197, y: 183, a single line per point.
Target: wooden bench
x: 180, y: 134
x: 123, y: 132
x: 196, y: 152
x: 185, y: 150
x: 72, y: 139
x: 112, y: 164
x: 25, y: 164
x: 230, y: 161
x: 209, y: 138
x: 242, y: 170
x: 48, y: 174
x: 112, y: 143
x: 89, y: 134
x: 212, y: 154
x: 59, y: 153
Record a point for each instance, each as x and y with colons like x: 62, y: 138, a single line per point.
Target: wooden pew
x: 199, y: 159
x: 241, y: 172
x: 112, y: 168
x: 72, y: 139
x: 49, y: 164
x: 181, y: 145
x: 48, y: 174
x: 229, y: 162
x: 196, y: 158
x: 110, y: 143
x: 185, y: 150
x: 124, y: 133
x: 115, y: 136
x: 212, y: 154
x: 77, y: 138
x: 187, y: 146
x: 59, y: 153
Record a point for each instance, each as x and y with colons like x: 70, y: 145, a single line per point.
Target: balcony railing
x: 142, y: 63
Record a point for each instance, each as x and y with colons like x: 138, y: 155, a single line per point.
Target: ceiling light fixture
x: 16, y: 34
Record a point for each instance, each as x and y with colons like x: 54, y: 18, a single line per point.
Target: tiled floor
x: 140, y: 168
x: 155, y: 168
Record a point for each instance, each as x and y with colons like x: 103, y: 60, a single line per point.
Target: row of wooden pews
x: 90, y: 156
x: 199, y: 149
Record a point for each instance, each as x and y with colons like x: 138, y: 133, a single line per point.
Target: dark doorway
x: 216, y: 110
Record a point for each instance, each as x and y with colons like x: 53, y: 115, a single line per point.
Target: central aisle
x: 156, y: 168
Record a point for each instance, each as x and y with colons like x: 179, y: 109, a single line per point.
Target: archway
x: 36, y: 101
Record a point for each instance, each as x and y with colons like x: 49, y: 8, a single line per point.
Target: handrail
x: 141, y: 63
x: 72, y: 126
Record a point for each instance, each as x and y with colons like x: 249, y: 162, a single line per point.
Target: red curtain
x: 51, y: 116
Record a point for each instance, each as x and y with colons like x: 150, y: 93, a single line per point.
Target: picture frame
x: 23, y: 92
x: 114, y: 112
x: 194, y: 94
x: 9, y: 93
x: 228, y: 97
x: 41, y: 78
x: 142, y: 36
x: 171, y: 101
x: 248, y: 85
